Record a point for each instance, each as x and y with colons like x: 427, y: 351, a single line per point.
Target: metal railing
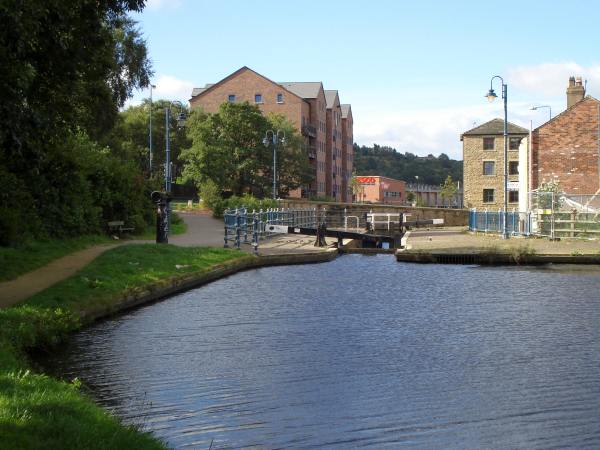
x: 518, y: 223
x: 249, y: 227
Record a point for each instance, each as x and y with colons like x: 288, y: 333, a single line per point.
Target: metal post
x: 150, y: 132
x: 504, y: 96
x: 274, y: 167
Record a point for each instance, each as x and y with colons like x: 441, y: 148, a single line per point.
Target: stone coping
x: 492, y: 258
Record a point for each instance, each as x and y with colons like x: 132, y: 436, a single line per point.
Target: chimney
x: 575, y: 91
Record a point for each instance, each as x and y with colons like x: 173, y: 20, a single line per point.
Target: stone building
x: 483, y: 165
x: 305, y: 104
x: 565, y: 149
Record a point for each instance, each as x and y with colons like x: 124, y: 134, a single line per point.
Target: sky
x: 415, y: 73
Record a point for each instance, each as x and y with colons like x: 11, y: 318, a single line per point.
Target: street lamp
x: 277, y: 136
x: 534, y: 108
x: 491, y: 96
x: 168, y: 180
x: 152, y: 86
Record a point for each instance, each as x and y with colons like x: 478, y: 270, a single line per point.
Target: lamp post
x: 534, y: 108
x: 491, y: 96
x: 276, y: 136
x: 168, y: 180
x: 152, y: 86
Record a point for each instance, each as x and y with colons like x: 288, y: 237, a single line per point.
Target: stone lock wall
x: 335, y: 212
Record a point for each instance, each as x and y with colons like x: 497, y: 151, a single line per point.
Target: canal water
x: 359, y: 352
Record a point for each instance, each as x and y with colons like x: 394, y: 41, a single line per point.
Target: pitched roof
x: 346, y: 109
x: 210, y: 86
x: 330, y: 96
x: 304, y: 89
x: 587, y: 97
x: 495, y: 126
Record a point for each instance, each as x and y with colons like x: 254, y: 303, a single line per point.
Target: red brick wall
x: 566, y: 149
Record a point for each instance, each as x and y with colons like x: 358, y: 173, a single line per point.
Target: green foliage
x: 322, y: 198
x: 386, y: 161
x: 448, y: 190
x: 30, y: 255
x: 67, y: 67
x: 228, y: 154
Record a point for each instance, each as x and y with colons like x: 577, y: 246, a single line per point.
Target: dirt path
x: 36, y: 281
x: 202, y: 230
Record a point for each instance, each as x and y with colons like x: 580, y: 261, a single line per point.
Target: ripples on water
x: 359, y: 352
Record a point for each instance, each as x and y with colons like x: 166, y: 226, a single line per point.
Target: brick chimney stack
x: 575, y: 91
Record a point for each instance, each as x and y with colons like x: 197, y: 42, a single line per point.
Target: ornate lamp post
x: 491, y: 96
x: 276, y: 136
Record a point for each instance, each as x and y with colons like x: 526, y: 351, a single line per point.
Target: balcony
x: 309, y: 130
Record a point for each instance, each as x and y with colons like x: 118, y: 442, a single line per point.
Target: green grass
x: 37, y: 411
x: 15, y: 261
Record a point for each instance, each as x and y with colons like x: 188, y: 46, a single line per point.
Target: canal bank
x: 458, y: 246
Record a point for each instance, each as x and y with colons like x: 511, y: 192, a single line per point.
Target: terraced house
x: 325, y: 124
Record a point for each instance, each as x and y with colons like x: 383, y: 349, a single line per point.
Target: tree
x: 67, y: 67
x: 228, y: 151
x: 448, y: 190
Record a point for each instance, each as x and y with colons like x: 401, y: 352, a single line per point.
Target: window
x: 231, y: 98
x: 489, y: 167
x: 488, y: 195
x: 280, y: 98
x: 488, y: 143
x: 513, y: 143
x: 513, y: 167
x: 513, y: 196
x: 258, y: 98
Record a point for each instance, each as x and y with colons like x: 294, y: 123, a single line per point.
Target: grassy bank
x: 15, y: 261
x: 37, y: 411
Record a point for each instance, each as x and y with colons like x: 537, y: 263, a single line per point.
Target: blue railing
x: 518, y: 223
x: 245, y: 227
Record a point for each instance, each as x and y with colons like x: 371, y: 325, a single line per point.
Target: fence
x: 553, y: 221
x: 517, y: 223
x: 245, y: 227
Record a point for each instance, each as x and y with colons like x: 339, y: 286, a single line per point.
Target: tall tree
x: 228, y: 152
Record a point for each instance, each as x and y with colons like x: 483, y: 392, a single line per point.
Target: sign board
x: 277, y: 228
x: 438, y: 221
x: 366, y: 180
x: 513, y: 185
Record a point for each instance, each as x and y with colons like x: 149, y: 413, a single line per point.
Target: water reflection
x: 360, y: 352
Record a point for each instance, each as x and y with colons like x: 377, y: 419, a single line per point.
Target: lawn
x: 37, y: 411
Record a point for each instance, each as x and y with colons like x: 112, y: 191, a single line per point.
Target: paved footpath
x: 202, y: 231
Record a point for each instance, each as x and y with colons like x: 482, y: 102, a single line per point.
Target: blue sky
x: 414, y: 72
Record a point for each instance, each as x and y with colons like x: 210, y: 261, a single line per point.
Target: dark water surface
x: 359, y: 352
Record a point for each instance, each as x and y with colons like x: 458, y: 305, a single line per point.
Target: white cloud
x: 172, y: 88
x: 432, y: 131
x: 550, y: 79
x: 160, y: 4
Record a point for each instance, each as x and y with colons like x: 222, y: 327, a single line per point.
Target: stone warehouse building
x: 483, y: 165
x: 326, y: 124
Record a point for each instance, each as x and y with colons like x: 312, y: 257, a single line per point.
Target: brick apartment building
x: 376, y: 189
x: 565, y: 149
x: 483, y: 165
x: 307, y: 105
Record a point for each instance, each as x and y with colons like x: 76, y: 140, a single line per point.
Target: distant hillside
x: 386, y: 161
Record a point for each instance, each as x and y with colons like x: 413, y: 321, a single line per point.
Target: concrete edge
x: 156, y: 292
x: 492, y: 258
